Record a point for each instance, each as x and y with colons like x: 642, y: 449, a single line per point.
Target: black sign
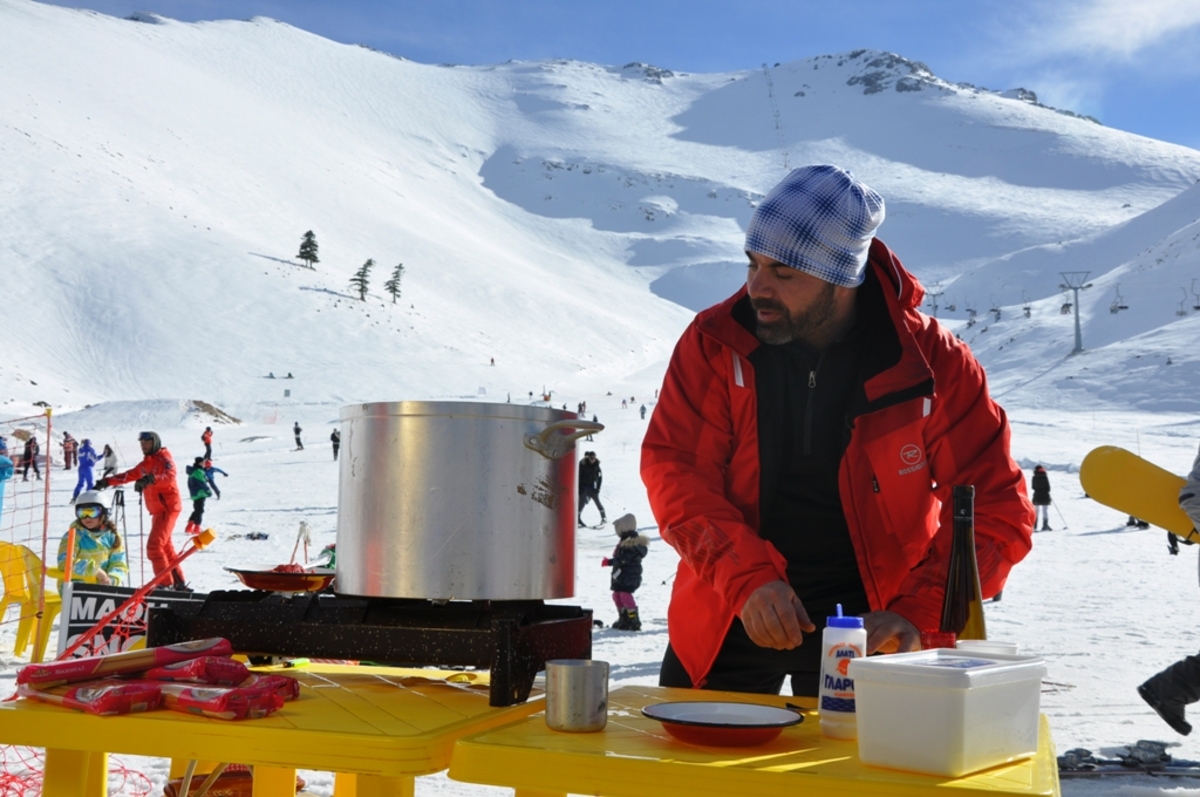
x: 85, y: 604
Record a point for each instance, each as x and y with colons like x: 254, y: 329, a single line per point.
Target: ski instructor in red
x: 154, y: 478
x: 807, y: 436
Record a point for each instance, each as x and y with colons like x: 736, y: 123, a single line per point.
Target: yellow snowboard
x: 1126, y: 482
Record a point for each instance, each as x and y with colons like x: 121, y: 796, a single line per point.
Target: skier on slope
x: 590, y: 479
x: 1041, y: 498
x: 7, y: 469
x: 87, y: 461
x: 1171, y: 690
x: 155, y: 478
x: 30, y: 458
x: 69, y: 446
x: 210, y: 474
x: 198, y: 491
x: 110, y: 460
x: 296, y: 430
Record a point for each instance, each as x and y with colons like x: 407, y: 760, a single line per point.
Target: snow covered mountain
x: 563, y: 218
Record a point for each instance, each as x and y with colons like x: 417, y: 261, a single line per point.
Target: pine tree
x: 392, y: 286
x: 362, y: 278
x: 308, y: 249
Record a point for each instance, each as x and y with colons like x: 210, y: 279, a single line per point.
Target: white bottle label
x: 837, y: 687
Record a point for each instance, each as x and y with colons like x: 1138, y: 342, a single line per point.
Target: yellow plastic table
x: 377, y: 727
x: 634, y: 757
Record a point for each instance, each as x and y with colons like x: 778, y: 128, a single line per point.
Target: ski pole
x: 1060, y: 514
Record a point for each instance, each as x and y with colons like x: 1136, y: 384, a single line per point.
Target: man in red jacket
x: 154, y: 478
x: 808, y: 434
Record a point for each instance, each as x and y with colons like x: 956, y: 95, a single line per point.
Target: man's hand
x: 144, y: 482
x: 888, y: 632
x: 774, y: 617
x: 102, y: 484
x: 102, y: 578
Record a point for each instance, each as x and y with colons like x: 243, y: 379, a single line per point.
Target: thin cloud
x: 1110, y: 29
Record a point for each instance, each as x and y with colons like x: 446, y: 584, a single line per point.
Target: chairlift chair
x: 1066, y: 309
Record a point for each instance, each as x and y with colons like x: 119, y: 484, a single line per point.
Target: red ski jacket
x: 163, y: 494
x: 928, y: 425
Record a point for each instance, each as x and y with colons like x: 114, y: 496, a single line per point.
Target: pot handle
x: 556, y: 446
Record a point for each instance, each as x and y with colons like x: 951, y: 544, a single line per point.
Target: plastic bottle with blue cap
x: 843, y: 640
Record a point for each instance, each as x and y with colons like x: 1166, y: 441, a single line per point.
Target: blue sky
x: 1133, y: 64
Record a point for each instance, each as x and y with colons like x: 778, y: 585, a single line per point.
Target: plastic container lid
x: 945, y: 667
x: 841, y: 621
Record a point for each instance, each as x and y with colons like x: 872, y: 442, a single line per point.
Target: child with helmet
x: 99, y: 555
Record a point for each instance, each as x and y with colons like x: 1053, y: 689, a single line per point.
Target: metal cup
x: 576, y: 695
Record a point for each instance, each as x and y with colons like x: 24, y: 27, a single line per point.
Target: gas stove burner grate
x: 511, y: 639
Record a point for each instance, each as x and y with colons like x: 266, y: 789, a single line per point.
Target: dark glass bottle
x: 962, y: 607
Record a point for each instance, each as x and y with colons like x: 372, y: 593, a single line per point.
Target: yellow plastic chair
x: 22, y: 570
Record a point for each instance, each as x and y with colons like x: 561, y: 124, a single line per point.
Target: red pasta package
x: 214, y: 670
x: 125, y: 663
x: 285, y: 686
x: 220, y: 702
x: 106, y: 697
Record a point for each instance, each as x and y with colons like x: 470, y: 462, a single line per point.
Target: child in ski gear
x: 296, y: 430
x: 1170, y: 691
x: 155, y: 478
x: 99, y: 555
x: 87, y: 461
x: 590, y: 479
x: 1041, y: 498
x: 29, y: 457
x: 7, y: 469
x: 210, y: 471
x: 336, y: 439
x: 110, y: 461
x: 69, y: 447
x: 198, y: 491
x: 626, y: 562
x: 206, y: 438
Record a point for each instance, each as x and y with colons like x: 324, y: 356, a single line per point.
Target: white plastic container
x: 947, y: 712
x: 843, y: 640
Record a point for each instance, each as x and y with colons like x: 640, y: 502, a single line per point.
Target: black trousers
x: 588, y: 494
x: 197, y: 515
x: 743, y: 666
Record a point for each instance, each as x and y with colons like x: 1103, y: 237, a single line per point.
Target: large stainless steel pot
x: 457, y: 500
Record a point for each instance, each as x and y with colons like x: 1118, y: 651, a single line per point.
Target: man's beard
x: 798, y: 326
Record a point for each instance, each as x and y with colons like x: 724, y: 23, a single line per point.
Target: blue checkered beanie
x: 819, y: 220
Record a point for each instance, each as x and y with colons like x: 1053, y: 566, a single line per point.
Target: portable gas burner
x: 512, y: 639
